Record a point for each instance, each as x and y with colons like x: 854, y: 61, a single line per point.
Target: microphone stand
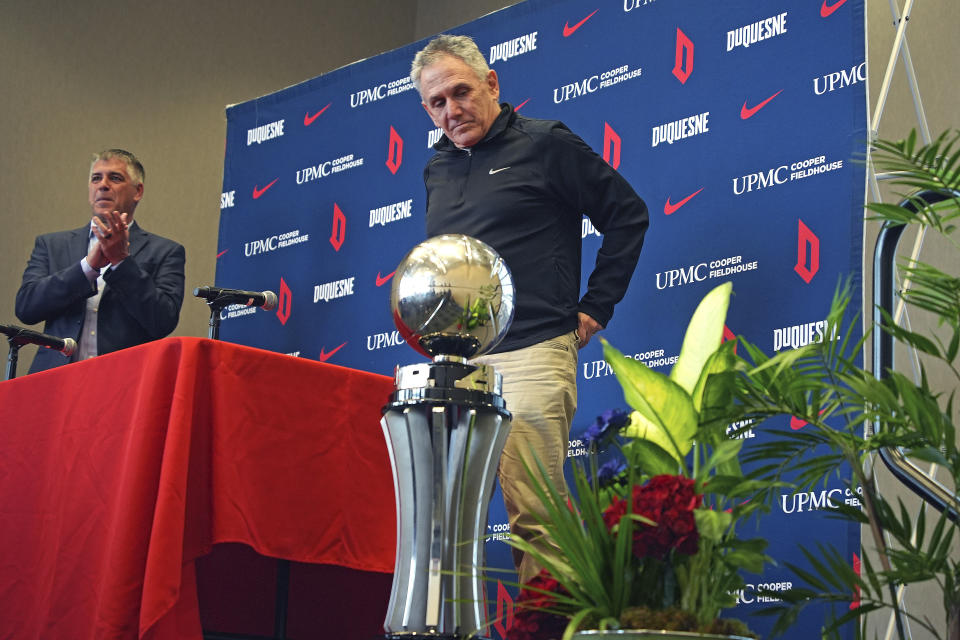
x: 12, y: 356
x: 16, y: 340
x: 214, y: 327
x: 216, y: 306
x: 225, y: 297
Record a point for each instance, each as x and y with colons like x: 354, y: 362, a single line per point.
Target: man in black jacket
x: 522, y: 185
x: 109, y: 284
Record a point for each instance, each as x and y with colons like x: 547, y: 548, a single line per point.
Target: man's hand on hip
x: 586, y: 327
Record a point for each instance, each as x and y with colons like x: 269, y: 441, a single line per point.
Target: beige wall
x: 935, y: 50
x: 435, y: 16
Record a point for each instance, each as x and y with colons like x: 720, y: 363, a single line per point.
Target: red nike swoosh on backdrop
x: 520, y: 106
x: 259, y: 192
x: 308, y: 119
x: 323, y: 357
x: 568, y: 30
x: 222, y: 252
x: 746, y: 112
x: 382, y: 280
x: 669, y: 208
x: 827, y: 9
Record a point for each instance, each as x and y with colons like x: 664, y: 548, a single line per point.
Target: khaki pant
x: 540, y: 389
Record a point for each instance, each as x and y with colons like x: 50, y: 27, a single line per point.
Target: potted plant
x: 852, y: 414
x: 657, y: 547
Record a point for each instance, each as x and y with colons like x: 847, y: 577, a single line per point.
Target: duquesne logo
x: 333, y: 290
x: 670, y: 208
x: 758, y: 31
x: 569, y: 31
x: 671, y: 132
x: 800, y: 335
x: 222, y: 252
x: 257, y: 192
x: 308, y: 119
x: 826, y: 10
x: 611, y: 146
x: 392, y: 212
x: 504, y: 619
x: 265, y: 132
x: 394, y: 151
x: 683, y: 61
x: 512, y: 48
x: 520, y: 106
x: 325, y: 355
x: 382, y: 280
x: 338, y: 231
x: 284, y: 302
x: 808, y: 252
x: 749, y: 112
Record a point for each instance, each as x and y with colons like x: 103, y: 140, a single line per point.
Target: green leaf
x: 916, y: 340
x: 929, y: 454
x: 712, y: 524
x: 666, y: 412
x: 748, y: 560
x: 951, y: 351
x: 652, y: 459
x: 725, y: 452
x: 715, y: 386
x: 703, y: 336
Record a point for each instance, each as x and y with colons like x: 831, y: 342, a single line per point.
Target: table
x: 118, y: 473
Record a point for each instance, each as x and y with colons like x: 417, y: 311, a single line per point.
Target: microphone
x: 265, y: 299
x: 21, y: 336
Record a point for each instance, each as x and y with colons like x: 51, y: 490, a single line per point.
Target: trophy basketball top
x: 452, y: 295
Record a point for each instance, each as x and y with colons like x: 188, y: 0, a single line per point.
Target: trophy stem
x: 445, y: 428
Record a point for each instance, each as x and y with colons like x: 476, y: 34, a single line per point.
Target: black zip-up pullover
x: 523, y: 190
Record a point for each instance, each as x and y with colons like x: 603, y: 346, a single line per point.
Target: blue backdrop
x: 737, y: 122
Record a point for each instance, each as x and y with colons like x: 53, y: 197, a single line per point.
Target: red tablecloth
x: 117, y: 472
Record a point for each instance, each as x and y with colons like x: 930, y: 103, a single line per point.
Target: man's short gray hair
x: 134, y: 168
x: 460, y: 47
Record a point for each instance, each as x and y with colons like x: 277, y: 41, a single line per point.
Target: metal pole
x: 12, y: 359
x: 912, y: 79
x: 214, y: 331
x: 891, y: 64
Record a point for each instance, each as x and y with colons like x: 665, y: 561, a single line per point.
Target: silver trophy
x: 446, y: 424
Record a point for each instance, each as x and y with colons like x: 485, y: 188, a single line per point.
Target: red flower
x: 668, y: 501
x: 532, y: 619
